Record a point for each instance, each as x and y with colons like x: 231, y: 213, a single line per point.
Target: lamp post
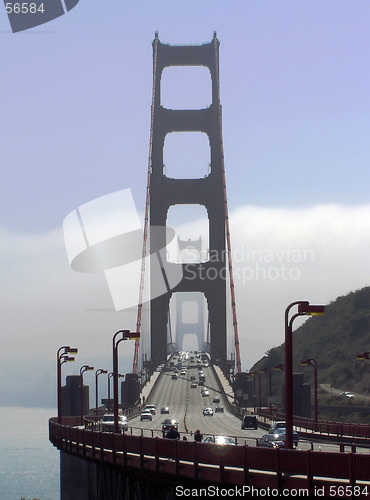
x: 267, y: 370
x: 313, y: 363
x: 62, y: 358
x: 259, y: 387
x: 110, y: 375
x: 83, y: 369
x: 304, y: 308
x: 126, y: 334
x: 98, y: 372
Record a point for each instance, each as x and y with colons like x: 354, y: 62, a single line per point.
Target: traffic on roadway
x: 189, y: 392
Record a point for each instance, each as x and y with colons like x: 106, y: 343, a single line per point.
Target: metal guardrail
x: 338, y: 430
x: 226, y: 465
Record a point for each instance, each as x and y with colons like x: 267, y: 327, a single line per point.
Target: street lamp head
x: 279, y: 367
x: 265, y: 370
x: 306, y: 362
x: 86, y: 368
x: 305, y: 308
x: 64, y: 359
x: 364, y: 355
x: 72, y: 350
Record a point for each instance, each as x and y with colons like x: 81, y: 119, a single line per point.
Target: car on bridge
x: 146, y: 415
x: 279, y: 424
x: 107, y: 423
x: 207, y: 411
x: 219, y: 409
x: 249, y: 422
x: 205, y: 394
x: 165, y: 409
x: 216, y: 399
x: 168, y: 423
x: 270, y: 441
x: 193, y: 385
x: 151, y: 408
x: 280, y: 433
x: 219, y: 440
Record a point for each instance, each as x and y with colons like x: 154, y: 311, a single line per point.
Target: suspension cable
x: 146, y: 220
x: 233, y: 303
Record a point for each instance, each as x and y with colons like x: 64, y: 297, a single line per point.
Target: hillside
x: 333, y: 340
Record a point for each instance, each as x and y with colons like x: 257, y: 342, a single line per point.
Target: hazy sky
x: 75, y: 116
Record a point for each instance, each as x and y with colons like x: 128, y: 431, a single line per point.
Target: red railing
x: 226, y: 465
x: 338, y: 429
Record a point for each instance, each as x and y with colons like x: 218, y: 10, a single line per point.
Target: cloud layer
x: 279, y: 255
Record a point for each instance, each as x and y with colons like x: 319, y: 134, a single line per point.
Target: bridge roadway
x: 140, y: 462
x: 186, y: 404
x: 186, y: 407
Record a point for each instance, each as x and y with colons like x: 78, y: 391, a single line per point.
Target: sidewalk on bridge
x: 146, y: 390
x: 228, y: 390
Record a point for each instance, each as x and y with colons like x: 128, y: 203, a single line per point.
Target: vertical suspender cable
x: 146, y: 221
x: 233, y: 304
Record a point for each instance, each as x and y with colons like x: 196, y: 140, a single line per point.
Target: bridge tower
x: 208, y: 192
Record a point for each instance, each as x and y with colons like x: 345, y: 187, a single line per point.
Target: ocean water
x: 29, y: 463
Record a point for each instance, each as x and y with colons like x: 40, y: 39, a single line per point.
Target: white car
x: 151, y: 408
x: 108, y: 423
x: 207, y: 411
x: 146, y: 415
x: 219, y: 440
x: 347, y: 394
x: 205, y: 394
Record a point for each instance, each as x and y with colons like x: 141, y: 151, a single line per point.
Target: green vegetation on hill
x: 333, y: 340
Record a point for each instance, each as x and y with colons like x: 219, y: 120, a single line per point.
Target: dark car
x: 219, y: 409
x: 249, y: 422
x: 165, y: 409
x: 168, y: 423
x: 270, y: 441
x: 280, y: 433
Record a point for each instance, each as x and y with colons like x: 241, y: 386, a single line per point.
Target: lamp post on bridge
x: 83, y: 369
x: 313, y: 363
x: 259, y: 387
x: 126, y: 334
x: 62, y: 358
x: 267, y: 370
x: 110, y: 375
x: 98, y: 372
x: 304, y: 308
